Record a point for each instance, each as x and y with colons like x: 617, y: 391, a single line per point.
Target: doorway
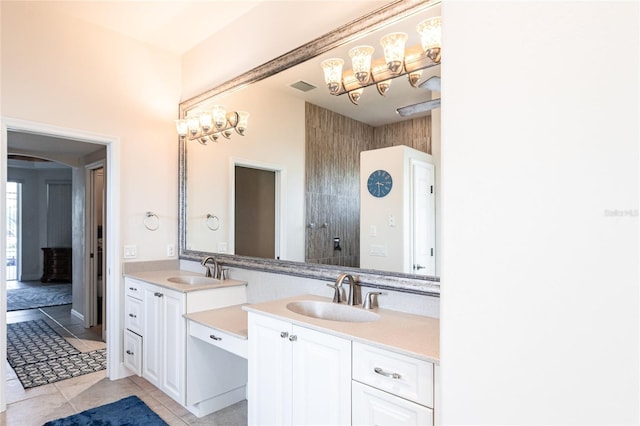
x: 255, y: 207
x: 112, y: 206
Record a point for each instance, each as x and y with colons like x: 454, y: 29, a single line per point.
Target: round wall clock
x: 379, y: 183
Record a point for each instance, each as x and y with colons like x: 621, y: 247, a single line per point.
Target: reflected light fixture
x: 210, y: 125
x: 361, y: 62
x: 430, y: 31
x: 398, y: 60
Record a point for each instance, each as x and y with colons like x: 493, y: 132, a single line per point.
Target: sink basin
x: 192, y: 280
x: 332, y: 311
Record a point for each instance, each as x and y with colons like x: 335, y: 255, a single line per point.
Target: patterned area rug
x: 38, y: 297
x: 39, y: 355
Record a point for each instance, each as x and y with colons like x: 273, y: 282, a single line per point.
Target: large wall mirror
x: 304, y: 145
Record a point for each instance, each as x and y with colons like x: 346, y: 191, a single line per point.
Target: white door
x: 152, y: 337
x: 423, y: 220
x: 269, y: 365
x: 321, y: 378
x: 173, y: 346
x: 374, y: 407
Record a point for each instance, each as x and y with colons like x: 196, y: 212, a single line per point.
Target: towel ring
x: 151, y: 221
x: 213, y: 222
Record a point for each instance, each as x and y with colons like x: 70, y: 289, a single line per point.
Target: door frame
x: 115, y: 368
x: 90, y: 270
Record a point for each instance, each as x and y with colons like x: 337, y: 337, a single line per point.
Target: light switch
x: 373, y: 231
x: 130, y: 251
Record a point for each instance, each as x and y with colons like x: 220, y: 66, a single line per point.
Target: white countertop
x: 161, y: 278
x: 413, y: 335
x: 231, y: 320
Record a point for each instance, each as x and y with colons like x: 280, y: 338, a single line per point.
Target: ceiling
x: 180, y: 25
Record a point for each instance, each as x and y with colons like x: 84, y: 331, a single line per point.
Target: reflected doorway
x: 255, y: 212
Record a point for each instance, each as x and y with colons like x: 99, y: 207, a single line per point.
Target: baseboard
x: 77, y: 314
x: 211, y: 405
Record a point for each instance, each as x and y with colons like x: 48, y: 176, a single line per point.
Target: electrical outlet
x: 130, y: 251
x: 392, y: 221
x: 373, y: 231
x: 170, y: 250
x: 222, y: 247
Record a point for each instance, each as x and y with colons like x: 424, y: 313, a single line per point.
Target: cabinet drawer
x: 375, y: 407
x: 133, y: 352
x: 133, y: 288
x: 220, y: 339
x: 133, y: 312
x: 398, y: 374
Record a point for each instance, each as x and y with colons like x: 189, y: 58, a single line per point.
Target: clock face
x: 379, y: 183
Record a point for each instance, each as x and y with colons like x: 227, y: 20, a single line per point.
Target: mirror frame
x: 410, y: 283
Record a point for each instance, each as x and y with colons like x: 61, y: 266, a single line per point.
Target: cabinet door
x: 321, y: 378
x: 174, y: 344
x: 374, y: 407
x: 269, y: 367
x: 133, y: 352
x: 152, y: 342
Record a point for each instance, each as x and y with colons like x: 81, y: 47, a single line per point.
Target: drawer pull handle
x: 129, y: 352
x: 156, y: 294
x: 293, y: 338
x: 284, y: 334
x: 380, y: 371
x: 133, y: 316
x: 133, y: 289
x: 214, y: 337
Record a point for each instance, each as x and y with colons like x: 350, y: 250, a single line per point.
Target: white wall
x: 34, y: 214
x: 64, y: 72
x: 539, y: 307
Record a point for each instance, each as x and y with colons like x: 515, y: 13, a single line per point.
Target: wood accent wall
x: 333, y: 144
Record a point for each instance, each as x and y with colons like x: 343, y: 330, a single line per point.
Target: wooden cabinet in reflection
x: 56, y: 265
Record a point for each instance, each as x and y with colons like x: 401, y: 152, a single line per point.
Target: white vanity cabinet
x: 164, y: 344
x: 155, y: 335
x: 297, y: 376
x: 390, y: 388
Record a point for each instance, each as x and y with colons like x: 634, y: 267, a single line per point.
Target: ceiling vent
x: 303, y: 86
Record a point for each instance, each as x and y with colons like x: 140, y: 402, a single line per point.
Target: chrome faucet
x: 212, y: 271
x: 352, y: 298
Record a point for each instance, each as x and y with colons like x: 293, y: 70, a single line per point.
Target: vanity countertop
x: 231, y: 320
x: 161, y: 278
x: 413, y: 335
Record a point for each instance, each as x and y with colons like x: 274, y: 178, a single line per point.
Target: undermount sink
x: 331, y: 311
x: 192, y: 280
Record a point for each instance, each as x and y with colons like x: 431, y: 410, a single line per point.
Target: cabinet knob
x: 293, y: 338
x: 133, y: 316
x: 129, y: 352
x: 214, y: 337
x: 381, y: 372
x: 156, y: 294
x: 284, y: 334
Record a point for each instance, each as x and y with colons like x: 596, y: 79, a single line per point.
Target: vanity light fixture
x: 398, y: 61
x: 210, y: 125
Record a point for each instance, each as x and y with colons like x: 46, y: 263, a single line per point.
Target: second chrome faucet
x: 353, y: 295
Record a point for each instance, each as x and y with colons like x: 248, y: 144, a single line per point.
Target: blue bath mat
x: 130, y: 411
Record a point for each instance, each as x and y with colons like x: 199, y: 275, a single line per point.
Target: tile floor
x: 35, y: 406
